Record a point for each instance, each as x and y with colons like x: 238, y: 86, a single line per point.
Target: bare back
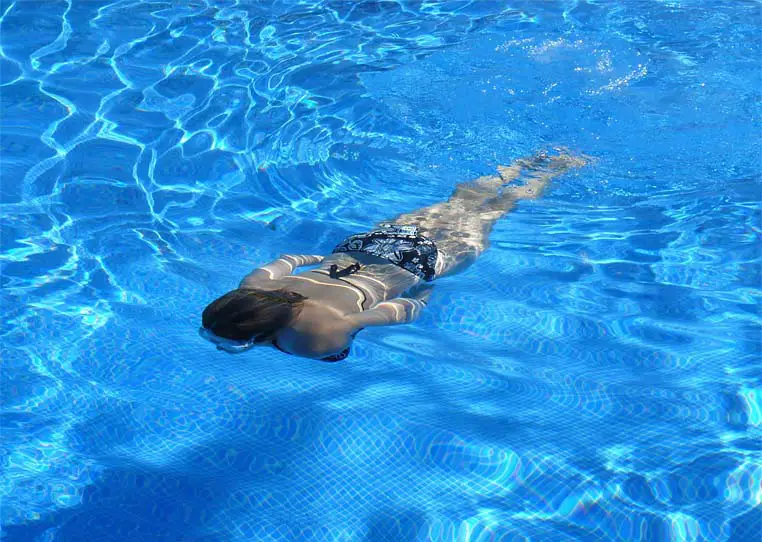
x: 376, y: 281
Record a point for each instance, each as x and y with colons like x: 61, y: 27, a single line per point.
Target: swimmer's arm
x: 279, y: 268
x: 401, y: 310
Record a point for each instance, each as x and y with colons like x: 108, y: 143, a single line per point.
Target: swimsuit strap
x: 335, y: 357
x: 334, y: 274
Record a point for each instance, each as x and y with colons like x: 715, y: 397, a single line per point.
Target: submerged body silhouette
x: 377, y: 278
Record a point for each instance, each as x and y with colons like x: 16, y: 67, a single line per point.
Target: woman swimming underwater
x: 317, y: 313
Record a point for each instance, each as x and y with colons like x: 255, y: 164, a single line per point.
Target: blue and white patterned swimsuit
x: 399, y: 244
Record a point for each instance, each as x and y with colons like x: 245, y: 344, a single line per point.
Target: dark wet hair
x: 248, y: 313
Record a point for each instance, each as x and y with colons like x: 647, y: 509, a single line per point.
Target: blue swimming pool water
x: 594, y: 376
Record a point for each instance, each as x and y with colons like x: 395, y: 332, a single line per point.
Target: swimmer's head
x: 248, y: 316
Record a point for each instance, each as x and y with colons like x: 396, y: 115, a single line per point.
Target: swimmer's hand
x: 400, y: 310
x: 421, y: 292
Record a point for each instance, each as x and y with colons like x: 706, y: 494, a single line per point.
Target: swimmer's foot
x: 533, y: 172
x: 539, y: 170
x: 564, y: 160
x: 542, y: 163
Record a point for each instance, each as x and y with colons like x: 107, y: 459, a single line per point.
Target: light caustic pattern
x: 594, y: 376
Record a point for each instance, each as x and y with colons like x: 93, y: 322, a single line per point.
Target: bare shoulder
x: 260, y: 281
x: 319, y: 316
x: 322, y: 327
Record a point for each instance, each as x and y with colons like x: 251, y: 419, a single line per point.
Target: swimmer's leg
x: 461, y: 226
x: 465, y: 199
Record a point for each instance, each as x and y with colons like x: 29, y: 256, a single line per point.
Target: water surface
x: 594, y: 376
